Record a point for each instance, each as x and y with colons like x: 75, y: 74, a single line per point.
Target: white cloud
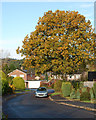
x: 14, y: 55
x: 87, y: 15
x: 87, y: 5
x: 10, y: 53
x: 9, y: 47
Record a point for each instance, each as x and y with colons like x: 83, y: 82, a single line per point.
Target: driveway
x: 28, y: 106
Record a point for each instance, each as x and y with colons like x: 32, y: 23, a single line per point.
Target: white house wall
x: 33, y: 84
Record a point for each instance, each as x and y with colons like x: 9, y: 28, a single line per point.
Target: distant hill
x: 9, y: 61
x: 9, y: 64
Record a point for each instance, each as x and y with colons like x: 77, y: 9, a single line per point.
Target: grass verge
x: 20, y: 91
x: 55, y: 93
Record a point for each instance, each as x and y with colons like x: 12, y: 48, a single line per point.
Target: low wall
x: 89, y: 84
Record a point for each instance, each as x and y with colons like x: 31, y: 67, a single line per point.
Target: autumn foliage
x: 61, y: 43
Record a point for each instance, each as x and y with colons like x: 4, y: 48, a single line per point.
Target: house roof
x: 24, y: 71
x: 18, y: 70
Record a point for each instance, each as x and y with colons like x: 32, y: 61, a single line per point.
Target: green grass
x: 87, y: 101
x: 55, y: 93
x: 20, y: 91
x: 17, y: 91
x: 26, y: 90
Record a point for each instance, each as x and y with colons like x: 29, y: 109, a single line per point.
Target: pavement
x: 73, y: 103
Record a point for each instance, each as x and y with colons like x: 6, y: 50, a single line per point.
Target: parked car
x: 41, y: 92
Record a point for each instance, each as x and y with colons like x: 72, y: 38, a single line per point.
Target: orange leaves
x: 60, y: 41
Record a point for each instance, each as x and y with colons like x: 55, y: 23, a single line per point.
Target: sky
x: 20, y: 19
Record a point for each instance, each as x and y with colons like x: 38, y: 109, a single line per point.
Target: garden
x: 74, y: 90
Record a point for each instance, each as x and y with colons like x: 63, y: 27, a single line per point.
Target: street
x: 28, y: 106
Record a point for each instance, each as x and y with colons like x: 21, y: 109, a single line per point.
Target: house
x: 68, y: 77
x: 74, y: 77
x: 22, y: 73
x: 29, y: 78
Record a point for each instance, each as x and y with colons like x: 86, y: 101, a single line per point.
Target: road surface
x: 28, y: 106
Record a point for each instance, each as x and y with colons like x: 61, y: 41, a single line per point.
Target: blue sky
x: 20, y: 18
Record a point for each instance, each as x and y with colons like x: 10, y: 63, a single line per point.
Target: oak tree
x: 61, y: 43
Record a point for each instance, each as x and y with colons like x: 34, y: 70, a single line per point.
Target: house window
x: 72, y: 77
x: 77, y: 76
x: 21, y: 75
x: 13, y: 75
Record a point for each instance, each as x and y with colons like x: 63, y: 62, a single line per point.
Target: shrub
x: 5, y: 87
x: 72, y: 94
x: 18, y: 83
x: 81, y: 85
x: 66, y: 89
x: 0, y: 87
x: 57, y: 85
x: 75, y: 84
x: 9, y: 90
x: 85, y: 96
x: 84, y: 89
x: 44, y: 85
x: 91, y: 93
x: 9, y: 79
x: 51, y: 86
x: 78, y: 94
x: 94, y: 89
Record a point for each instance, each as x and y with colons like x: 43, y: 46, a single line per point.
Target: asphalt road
x: 28, y: 106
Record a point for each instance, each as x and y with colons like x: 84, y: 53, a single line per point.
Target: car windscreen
x: 41, y: 89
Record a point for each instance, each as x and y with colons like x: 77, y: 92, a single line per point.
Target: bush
x: 75, y: 84
x: 9, y: 79
x: 72, y: 94
x: 0, y: 87
x: 94, y: 89
x: 18, y: 83
x: 5, y: 87
x: 66, y: 89
x: 91, y: 93
x: 78, y: 94
x: 9, y: 90
x: 57, y: 85
x: 85, y: 96
x: 84, y: 89
x: 44, y: 85
x: 81, y: 85
x: 51, y: 86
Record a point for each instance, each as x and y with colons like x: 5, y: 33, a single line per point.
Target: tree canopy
x: 61, y: 43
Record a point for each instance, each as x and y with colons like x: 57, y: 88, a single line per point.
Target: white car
x: 41, y: 92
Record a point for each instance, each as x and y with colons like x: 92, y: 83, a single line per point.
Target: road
x: 28, y: 106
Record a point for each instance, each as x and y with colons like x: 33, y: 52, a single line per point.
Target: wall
x: 89, y: 84
x: 18, y: 73
x: 74, y: 77
x: 29, y: 77
x: 33, y: 84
